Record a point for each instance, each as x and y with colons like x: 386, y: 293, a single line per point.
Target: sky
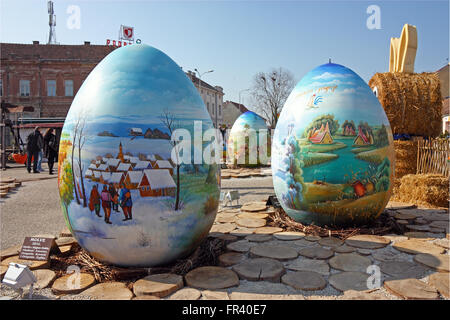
x: 238, y: 39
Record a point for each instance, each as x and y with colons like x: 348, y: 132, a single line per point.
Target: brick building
x: 46, y: 77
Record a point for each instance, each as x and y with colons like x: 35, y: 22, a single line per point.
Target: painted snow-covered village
x: 326, y: 158
x: 124, y: 197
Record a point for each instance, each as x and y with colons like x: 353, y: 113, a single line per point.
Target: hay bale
x: 424, y: 189
x: 412, y: 102
x: 405, y: 158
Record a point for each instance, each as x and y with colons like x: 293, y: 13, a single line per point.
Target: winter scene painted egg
x: 248, y: 140
x: 332, y: 151
x: 127, y: 197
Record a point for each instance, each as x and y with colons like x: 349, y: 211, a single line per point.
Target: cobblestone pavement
x: 263, y: 262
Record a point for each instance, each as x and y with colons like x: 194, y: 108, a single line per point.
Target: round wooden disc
x: 231, y: 258
x: 316, y: 253
x: 160, y: 285
x: 254, y: 206
x: 32, y: 264
x: 274, y: 252
x: 350, y: 262
x: 212, y: 278
x: 415, y: 246
x: 411, y: 289
x: 251, y: 222
x: 260, y: 269
x: 439, y: 262
x: 109, y: 291
x: 268, y: 230
x: 304, y: 280
x: 351, y: 280
x: 73, y: 283
x: 364, y: 241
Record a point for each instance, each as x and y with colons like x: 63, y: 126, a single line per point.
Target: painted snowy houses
x: 164, y: 164
x: 124, y: 167
x: 113, y: 164
x: 142, y: 165
x: 157, y: 183
x: 117, y: 178
x: 105, y: 177
x: 321, y: 136
x: 136, y: 132
x: 363, y: 139
x: 88, y: 174
x: 132, y: 179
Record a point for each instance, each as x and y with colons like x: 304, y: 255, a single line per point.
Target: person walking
x: 126, y: 202
x: 114, y: 197
x: 94, y: 201
x: 106, y: 203
x: 50, y: 148
x: 33, y: 150
x: 40, y: 144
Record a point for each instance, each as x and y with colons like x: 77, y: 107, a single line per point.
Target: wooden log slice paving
x: 405, y: 216
x: 226, y: 175
x: 316, y: 253
x: 403, y: 222
x: 364, y: 252
x: 243, y: 175
x: 3, y: 194
x: 160, y: 285
x: 231, y: 258
x: 254, y: 206
x: 73, y: 283
x: 214, y: 295
x: 418, y: 227
x: 212, y: 278
x: 109, y: 291
x: 226, y: 218
x: 186, y: 294
x: 65, y: 250
x: 251, y: 222
x: 350, y: 262
x: 260, y: 269
x: 7, y: 180
x: 10, y: 252
x: 312, y: 238
x: 414, y: 246
x: 411, y: 289
x: 240, y: 246
x: 402, y: 269
x: 304, y: 280
x: 3, y: 270
x: 253, y: 215
x: 439, y: 262
x: 383, y: 255
x: 289, y: 235
x: 350, y: 280
x: 441, y: 282
x: 331, y: 242
x: 361, y: 295
x: 223, y: 228
x: 274, y: 252
x: 258, y: 237
x: 267, y: 230
x: 318, y: 266
x: 345, y: 249
x: 146, y: 297
x: 436, y: 217
x: 367, y: 241
x: 242, y: 232
x: 223, y: 236
x: 65, y: 241
x: 44, y: 278
x: 32, y: 264
x: 418, y: 235
x: 440, y: 224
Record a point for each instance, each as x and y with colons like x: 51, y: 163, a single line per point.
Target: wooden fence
x: 433, y: 156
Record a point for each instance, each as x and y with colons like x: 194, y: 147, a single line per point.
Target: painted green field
x: 362, y: 149
x: 312, y: 158
x: 375, y: 156
x: 322, y: 148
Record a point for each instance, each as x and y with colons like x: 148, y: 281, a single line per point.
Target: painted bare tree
x: 79, y: 139
x: 74, y: 179
x: 168, y: 120
x: 270, y: 91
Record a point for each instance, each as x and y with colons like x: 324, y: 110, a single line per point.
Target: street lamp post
x: 200, y: 83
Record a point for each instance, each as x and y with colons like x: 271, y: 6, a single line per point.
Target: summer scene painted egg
x: 248, y: 140
x: 332, y: 151
x: 126, y: 198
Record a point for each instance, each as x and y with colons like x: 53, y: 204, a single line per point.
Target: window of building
x: 207, y: 106
x: 220, y: 110
x: 1, y: 88
x: 51, y: 88
x: 213, y: 111
x: 68, y: 85
x: 24, y: 88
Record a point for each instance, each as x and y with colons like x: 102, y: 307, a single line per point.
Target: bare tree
x: 168, y: 120
x: 79, y: 139
x: 270, y: 91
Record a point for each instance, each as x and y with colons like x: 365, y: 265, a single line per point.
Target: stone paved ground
x: 266, y: 263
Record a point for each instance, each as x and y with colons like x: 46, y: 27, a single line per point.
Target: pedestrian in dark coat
x: 33, y: 146
x: 50, y: 148
x: 94, y: 201
x: 106, y: 203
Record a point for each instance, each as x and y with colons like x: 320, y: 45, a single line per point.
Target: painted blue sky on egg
x: 135, y: 84
x: 352, y: 98
x: 252, y: 119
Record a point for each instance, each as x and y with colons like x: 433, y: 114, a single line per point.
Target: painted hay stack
x: 412, y: 101
x: 424, y: 189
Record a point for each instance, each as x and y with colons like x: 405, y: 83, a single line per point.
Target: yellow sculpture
x: 403, y: 50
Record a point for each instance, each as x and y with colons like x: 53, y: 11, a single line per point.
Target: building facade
x: 212, y: 97
x: 46, y: 77
x: 232, y: 111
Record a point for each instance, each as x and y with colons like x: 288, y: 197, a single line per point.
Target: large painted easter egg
x: 332, y: 151
x: 130, y: 194
x: 248, y: 140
